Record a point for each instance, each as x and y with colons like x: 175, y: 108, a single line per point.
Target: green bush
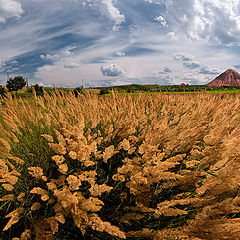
x: 104, y: 91
x: 38, y: 89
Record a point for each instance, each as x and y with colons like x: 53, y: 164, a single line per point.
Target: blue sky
x: 113, y: 42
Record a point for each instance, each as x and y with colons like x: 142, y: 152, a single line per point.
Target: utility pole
x: 27, y: 83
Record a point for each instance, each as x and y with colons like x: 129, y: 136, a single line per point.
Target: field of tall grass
x: 120, y: 167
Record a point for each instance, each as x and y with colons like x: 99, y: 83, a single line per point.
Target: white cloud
x: 43, y: 57
x: 119, y: 53
x: 161, y: 19
x: 113, y: 13
x: 215, y: 20
x: 166, y: 70
x: 237, y: 66
x: 64, y: 55
x: 172, y: 35
x: 209, y: 70
x: 87, y: 35
x: 50, y: 57
x: 71, y: 65
x: 67, y: 53
x: 111, y: 70
x: 10, y: 8
x: 183, y: 58
x: 191, y: 64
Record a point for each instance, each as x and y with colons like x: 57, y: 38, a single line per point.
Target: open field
x: 134, y: 88
x: 161, y: 166
x: 25, y: 93
x: 220, y: 91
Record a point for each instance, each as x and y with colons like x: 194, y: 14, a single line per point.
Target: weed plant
x: 120, y: 167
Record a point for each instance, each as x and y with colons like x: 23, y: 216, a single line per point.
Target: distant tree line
x: 162, y: 88
x: 18, y: 82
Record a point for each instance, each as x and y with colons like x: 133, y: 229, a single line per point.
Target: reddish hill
x: 228, y: 78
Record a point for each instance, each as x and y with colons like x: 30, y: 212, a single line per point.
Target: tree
x: 15, y: 84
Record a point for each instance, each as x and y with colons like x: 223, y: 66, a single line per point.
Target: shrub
x: 38, y: 90
x: 104, y: 91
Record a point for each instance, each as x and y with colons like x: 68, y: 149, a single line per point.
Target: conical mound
x: 228, y: 78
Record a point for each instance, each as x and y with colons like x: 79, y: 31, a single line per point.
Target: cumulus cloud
x: 172, y: 35
x: 113, y: 12
x: 191, y: 64
x: 67, y: 53
x: 143, y: 43
x: 119, y: 53
x: 183, y: 58
x: 56, y: 57
x: 166, y: 70
x: 216, y: 20
x: 209, y: 70
x: 237, y: 66
x: 187, y: 61
x: 9, y: 8
x: 161, y: 20
x: 107, y: 8
x: 50, y: 57
x: 111, y: 70
x: 71, y: 65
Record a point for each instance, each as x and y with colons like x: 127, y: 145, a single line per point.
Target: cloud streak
x: 71, y: 65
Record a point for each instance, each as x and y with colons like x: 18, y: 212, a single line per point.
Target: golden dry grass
x: 143, y: 167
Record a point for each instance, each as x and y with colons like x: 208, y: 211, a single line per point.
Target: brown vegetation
x: 143, y: 167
